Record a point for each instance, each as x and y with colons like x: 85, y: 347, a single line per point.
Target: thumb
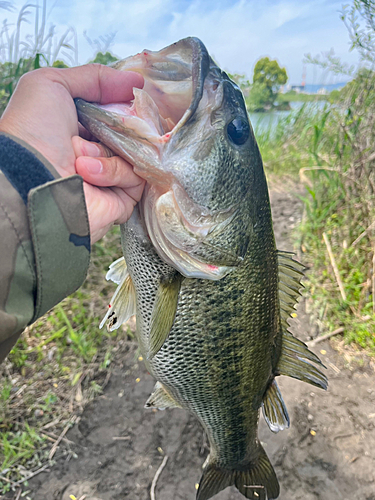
x: 99, y: 83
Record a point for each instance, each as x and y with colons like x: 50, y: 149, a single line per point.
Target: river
x: 269, y: 120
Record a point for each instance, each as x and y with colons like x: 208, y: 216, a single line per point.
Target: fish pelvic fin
x: 256, y: 481
x: 161, y: 399
x: 163, y: 313
x: 274, y: 409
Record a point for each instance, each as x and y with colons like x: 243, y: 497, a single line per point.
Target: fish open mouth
x: 142, y: 130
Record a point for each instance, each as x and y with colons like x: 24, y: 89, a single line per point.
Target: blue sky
x: 236, y: 32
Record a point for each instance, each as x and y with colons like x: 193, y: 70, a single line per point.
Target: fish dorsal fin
x: 123, y: 302
x: 161, y: 399
x: 295, y: 359
x: 291, y: 273
x: 274, y: 409
x: 163, y: 313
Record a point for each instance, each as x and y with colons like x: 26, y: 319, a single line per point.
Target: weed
x: 58, y: 365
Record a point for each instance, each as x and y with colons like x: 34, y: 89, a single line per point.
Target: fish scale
x: 211, y: 293
x: 221, y: 334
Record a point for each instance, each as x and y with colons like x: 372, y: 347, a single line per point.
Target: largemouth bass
x: 211, y: 293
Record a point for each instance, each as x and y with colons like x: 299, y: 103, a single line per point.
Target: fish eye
x: 238, y: 131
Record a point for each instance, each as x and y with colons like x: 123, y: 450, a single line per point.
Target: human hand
x: 42, y: 113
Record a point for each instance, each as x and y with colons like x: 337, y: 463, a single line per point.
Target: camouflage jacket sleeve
x: 44, y: 238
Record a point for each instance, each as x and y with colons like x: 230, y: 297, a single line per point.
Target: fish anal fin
x: 163, y: 313
x: 161, y: 399
x: 274, y: 409
x: 256, y: 481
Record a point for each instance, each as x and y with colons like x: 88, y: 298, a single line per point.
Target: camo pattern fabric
x: 44, y: 238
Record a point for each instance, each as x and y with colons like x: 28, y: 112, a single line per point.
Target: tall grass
x: 331, y: 149
x: 21, y: 53
x: 341, y: 203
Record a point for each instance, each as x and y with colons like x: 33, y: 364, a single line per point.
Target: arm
x: 47, y: 211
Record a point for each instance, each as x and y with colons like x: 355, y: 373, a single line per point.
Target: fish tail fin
x: 256, y: 481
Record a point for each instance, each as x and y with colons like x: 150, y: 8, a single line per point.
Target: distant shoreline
x: 313, y: 88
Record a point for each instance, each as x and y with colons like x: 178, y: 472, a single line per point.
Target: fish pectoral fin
x: 257, y: 481
x: 161, y: 399
x: 274, y: 409
x: 163, y: 313
x: 295, y: 361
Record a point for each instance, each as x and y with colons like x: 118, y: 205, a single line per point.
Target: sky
x: 236, y: 32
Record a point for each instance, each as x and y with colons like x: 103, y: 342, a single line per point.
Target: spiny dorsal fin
x: 256, y: 481
x: 290, y: 276
x: 274, y: 409
x: 163, y: 313
x: 123, y: 302
x: 295, y: 356
x: 160, y: 398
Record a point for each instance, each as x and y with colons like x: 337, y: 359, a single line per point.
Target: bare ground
x: 327, y: 454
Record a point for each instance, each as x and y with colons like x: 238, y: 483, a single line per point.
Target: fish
x: 200, y: 269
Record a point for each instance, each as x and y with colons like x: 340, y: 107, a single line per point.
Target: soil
x: 327, y: 454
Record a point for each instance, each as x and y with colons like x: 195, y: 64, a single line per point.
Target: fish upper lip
x: 200, y: 67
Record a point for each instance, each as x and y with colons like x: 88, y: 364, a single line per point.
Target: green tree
x: 106, y: 58
x: 241, y: 80
x: 359, y: 19
x: 258, y: 97
x: 269, y: 74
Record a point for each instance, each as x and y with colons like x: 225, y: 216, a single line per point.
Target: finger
x: 98, y: 83
x: 108, y: 172
x: 127, y: 200
x: 106, y: 206
x: 82, y: 147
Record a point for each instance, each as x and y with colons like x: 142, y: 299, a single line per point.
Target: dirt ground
x: 327, y: 454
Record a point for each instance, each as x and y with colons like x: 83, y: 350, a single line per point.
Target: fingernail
x: 90, y: 149
x: 93, y: 166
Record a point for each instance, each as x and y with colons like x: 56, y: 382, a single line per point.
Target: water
x: 268, y: 121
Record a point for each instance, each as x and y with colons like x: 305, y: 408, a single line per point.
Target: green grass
x: 59, y: 364
x: 329, y: 150
x: 326, y: 211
